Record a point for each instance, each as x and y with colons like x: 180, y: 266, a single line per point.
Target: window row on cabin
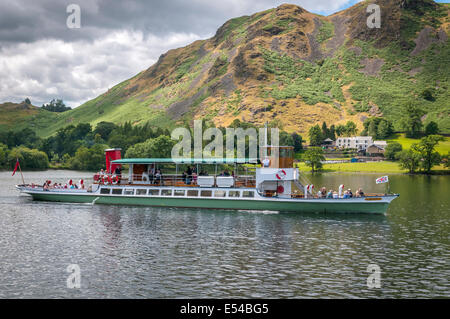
x: 176, y: 192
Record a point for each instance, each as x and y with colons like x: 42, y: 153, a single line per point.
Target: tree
x: 28, y: 158
x: 91, y: 159
x: 426, y: 149
x: 286, y: 139
x: 325, y: 130
x: 392, y: 150
x: 104, y: 129
x: 409, y: 160
x: 315, y: 136
x: 372, y: 130
x: 332, y: 132
x: 350, y: 128
x: 159, y: 147
x: 431, y: 128
x: 412, y: 120
x: 428, y: 94
x: 384, y: 129
x: 313, y: 158
x: 298, y: 140
x: 3, y: 155
x: 56, y: 106
x: 27, y: 101
x: 340, y: 130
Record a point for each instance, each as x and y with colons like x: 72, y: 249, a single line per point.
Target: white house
x: 355, y: 142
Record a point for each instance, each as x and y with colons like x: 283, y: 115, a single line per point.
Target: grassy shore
x: 443, y: 147
x: 369, y: 167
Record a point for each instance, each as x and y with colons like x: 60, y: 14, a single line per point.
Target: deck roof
x: 186, y: 160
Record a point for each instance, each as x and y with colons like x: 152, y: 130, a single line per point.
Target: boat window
x: 192, y: 192
x: 220, y: 194
x: 206, y: 193
x: 153, y: 192
x: 234, y: 194
x: 248, y: 194
x: 141, y: 192
x: 166, y: 192
x: 178, y: 192
x: 105, y: 191
x: 117, y: 191
x: 129, y: 192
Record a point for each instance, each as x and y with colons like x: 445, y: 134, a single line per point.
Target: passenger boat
x: 268, y: 185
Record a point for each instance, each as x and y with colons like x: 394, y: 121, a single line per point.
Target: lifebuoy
x: 281, y: 174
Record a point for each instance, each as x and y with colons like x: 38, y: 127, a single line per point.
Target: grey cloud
x: 41, y: 58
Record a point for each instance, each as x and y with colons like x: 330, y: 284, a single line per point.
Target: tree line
x: 81, y: 146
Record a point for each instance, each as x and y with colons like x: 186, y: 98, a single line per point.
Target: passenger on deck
x: 330, y: 194
x: 102, y: 173
x: 158, y: 176
x: 346, y: 195
x: 225, y: 173
x: 360, y: 193
x: 266, y: 162
x: 350, y: 194
x: 151, y: 174
x: 335, y: 195
x: 203, y: 173
x: 189, y: 175
x: 322, y: 193
x: 184, y: 177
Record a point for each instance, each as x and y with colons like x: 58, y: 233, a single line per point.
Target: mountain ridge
x: 294, y: 67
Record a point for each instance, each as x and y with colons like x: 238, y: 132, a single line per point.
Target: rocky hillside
x: 298, y: 68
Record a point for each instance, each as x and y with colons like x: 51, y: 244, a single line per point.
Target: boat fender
x: 280, y: 189
x: 281, y: 174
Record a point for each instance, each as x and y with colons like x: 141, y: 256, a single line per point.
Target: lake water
x: 135, y: 252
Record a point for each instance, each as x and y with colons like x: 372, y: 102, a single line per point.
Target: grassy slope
x: 298, y: 93
x: 443, y: 147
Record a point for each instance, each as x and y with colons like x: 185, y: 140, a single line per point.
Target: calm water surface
x: 133, y: 252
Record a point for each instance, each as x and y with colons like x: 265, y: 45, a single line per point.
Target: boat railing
x: 179, y: 180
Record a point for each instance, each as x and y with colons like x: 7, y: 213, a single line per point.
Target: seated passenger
x: 330, y: 194
x: 360, y: 193
x: 350, y: 194
x: 346, y: 195
x: 335, y: 195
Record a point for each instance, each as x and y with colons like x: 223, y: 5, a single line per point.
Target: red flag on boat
x: 15, y: 167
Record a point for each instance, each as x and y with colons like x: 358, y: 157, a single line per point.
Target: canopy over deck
x: 186, y: 161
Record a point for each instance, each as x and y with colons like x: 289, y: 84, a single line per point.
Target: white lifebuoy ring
x: 281, y: 174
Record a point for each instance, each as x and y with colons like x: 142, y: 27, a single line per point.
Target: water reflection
x: 159, y: 252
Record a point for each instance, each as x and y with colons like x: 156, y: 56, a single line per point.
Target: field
x: 443, y: 147
x: 370, y: 167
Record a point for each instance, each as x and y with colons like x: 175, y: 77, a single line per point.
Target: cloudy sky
x: 41, y: 58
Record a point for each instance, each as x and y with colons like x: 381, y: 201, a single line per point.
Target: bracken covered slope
x: 289, y: 65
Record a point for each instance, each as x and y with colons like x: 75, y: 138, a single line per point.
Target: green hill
x: 290, y: 65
